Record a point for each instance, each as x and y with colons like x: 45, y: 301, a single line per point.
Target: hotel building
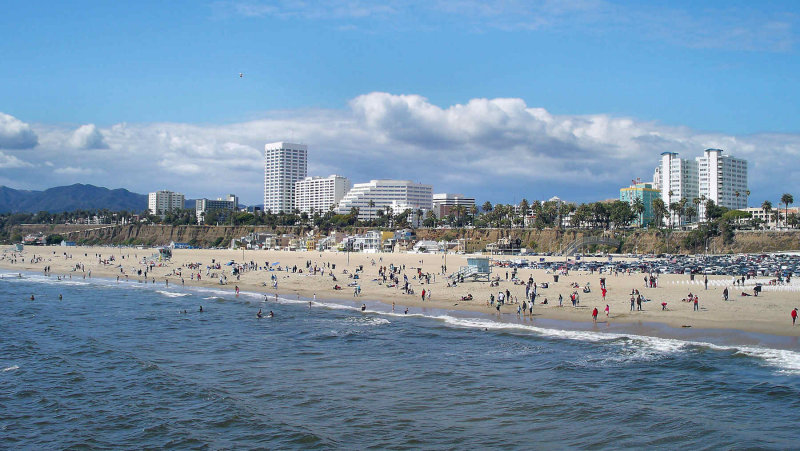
x: 384, y: 194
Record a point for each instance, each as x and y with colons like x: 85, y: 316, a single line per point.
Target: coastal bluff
x: 547, y: 240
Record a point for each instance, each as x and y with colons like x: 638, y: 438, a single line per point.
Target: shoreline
x: 732, y: 339
x: 762, y: 315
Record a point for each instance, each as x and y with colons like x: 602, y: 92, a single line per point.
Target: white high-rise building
x: 723, y: 179
x: 284, y: 164
x: 382, y: 194
x: 162, y: 202
x: 713, y: 176
x: 320, y: 193
x: 678, y: 175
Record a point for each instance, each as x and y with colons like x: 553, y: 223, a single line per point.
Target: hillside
x: 70, y: 198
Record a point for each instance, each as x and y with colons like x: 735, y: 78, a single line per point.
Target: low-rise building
x: 644, y: 192
x: 222, y: 205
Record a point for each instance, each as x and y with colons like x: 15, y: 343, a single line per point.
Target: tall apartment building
x: 443, y: 203
x: 162, y: 202
x: 284, y: 164
x: 320, y: 193
x: 226, y: 204
x: 385, y: 193
x: 723, y: 179
x: 717, y: 177
x: 680, y: 176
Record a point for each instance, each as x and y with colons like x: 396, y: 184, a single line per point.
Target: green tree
x: 786, y: 199
x: 766, y: 206
x: 638, y: 208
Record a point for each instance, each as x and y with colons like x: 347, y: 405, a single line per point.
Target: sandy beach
x: 768, y: 313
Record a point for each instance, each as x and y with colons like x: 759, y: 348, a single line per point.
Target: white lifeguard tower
x: 478, y: 268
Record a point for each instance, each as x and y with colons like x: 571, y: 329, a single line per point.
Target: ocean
x: 119, y: 365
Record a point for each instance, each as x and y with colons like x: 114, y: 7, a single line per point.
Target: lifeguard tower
x: 164, y: 254
x: 478, y: 268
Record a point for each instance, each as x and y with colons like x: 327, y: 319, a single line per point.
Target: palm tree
x: 659, y: 210
x: 696, y: 201
x: 690, y: 212
x: 786, y: 199
x: 767, y: 207
x: 371, y: 205
x: 637, y: 206
x: 669, y: 205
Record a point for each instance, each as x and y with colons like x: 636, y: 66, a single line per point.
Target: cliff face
x: 647, y: 241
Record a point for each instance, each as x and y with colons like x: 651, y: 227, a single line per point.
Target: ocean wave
x: 172, y: 294
x: 367, y: 320
x: 11, y: 368
x: 638, y: 347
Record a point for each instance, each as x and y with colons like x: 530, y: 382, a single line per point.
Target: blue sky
x: 496, y: 99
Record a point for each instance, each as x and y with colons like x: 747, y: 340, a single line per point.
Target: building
x: 770, y: 220
x: 723, y: 179
x: 376, y: 195
x: 678, y: 178
x: 647, y: 194
x: 284, y: 164
x: 443, y: 203
x: 320, y: 193
x: 222, y: 205
x: 162, y: 202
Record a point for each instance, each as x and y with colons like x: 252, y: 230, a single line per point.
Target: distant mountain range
x: 73, y: 197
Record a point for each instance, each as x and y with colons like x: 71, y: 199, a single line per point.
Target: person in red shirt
x: 794, y: 316
x: 604, y: 293
x: 594, y: 314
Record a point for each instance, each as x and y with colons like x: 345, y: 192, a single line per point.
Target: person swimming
x: 259, y: 315
x: 271, y: 314
x: 363, y: 307
x: 201, y: 309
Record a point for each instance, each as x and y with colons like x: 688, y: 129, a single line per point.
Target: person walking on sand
x: 594, y: 315
x: 423, y: 295
x: 607, y: 310
x: 696, y: 305
x: 725, y: 294
x: 794, y: 316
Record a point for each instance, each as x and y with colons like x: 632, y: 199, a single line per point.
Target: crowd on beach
x: 510, y: 291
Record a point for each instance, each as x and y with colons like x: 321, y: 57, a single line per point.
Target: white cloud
x: 70, y: 170
x: 497, y: 149
x: 15, y: 134
x: 11, y: 162
x: 87, y: 137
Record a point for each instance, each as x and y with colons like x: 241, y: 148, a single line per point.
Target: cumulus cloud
x: 495, y: 149
x: 15, y: 134
x: 87, y: 137
x: 10, y: 162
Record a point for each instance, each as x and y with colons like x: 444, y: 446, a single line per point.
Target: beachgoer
x: 725, y: 293
x: 259, y: 315
x: 363, y: 307
x: 33, y: 298
x: 60, y: 297
x: 594, y: 314
x: 607, y: 310
x: 201, y: 309
x: 271, y: 314
x: 794, y: 316
x: 406, y: 312
x: 696, y: 305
